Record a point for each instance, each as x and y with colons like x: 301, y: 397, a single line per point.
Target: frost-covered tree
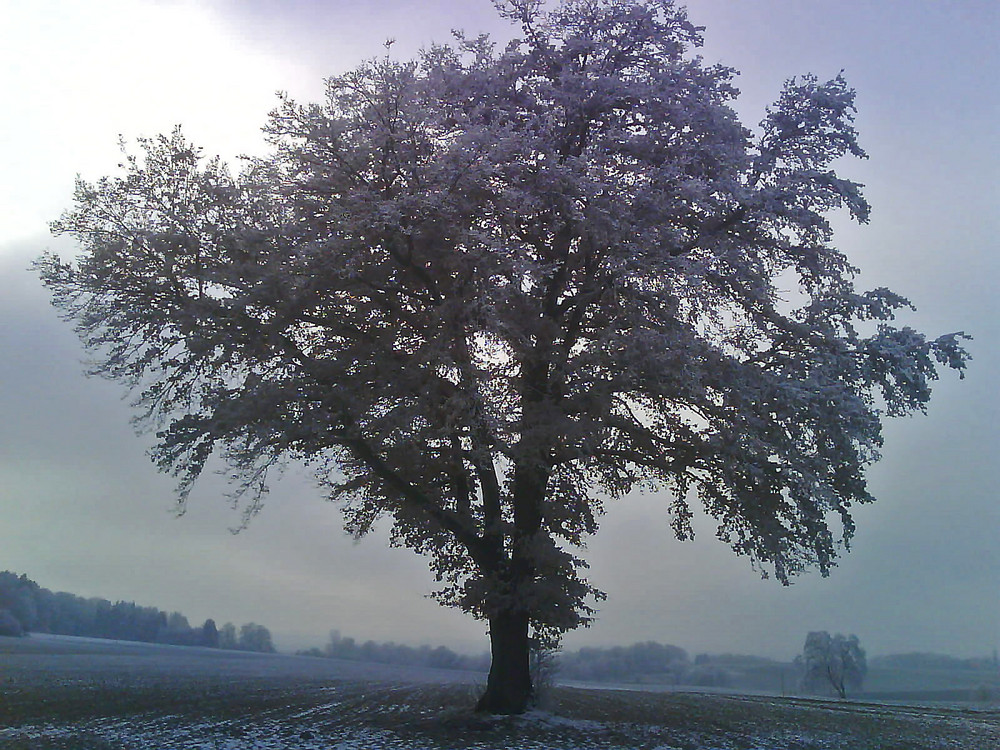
x: 227, y: 636
x: 254, y: 637
x: 209, y: 635
x: 836, y: 662
x: 10, y: 626
x: 486, y: 291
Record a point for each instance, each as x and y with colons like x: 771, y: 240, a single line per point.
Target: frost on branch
x: 485, y: 291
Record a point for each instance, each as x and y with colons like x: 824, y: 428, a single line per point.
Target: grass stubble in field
x: 75, y: 694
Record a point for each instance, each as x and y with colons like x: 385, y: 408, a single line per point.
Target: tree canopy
x: 484, y: 291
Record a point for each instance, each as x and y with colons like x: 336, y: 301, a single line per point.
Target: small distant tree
x: 18, y: 595
x: 227, y: 636
x: 340, y: 647
x: 543, y: 666
x: 254, y: 637
x: 484, y: 291
x: 443, y: 657
x: 149, y: 623
x: 10, y: 626
x: 832, y: 661
x: 210, y: 634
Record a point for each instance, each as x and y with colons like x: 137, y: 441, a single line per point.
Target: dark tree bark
x: 508, y: 688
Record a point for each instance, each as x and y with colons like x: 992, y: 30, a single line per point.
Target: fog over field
x: 83, y: 510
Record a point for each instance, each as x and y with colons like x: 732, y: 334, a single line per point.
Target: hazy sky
x: 83, y: 510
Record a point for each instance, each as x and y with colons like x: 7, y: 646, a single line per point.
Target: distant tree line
x: 27, y: 607
x: 648, y: 662
x: 924, y: 661
x: 636, y: 663
x: 440, y: 657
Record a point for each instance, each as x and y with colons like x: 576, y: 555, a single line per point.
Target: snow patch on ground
x: 228, y: 735
x: 547, y: 719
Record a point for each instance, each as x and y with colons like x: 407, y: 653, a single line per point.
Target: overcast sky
x: 83, y: 510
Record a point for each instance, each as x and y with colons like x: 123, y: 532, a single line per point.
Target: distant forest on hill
x: 26, y: 607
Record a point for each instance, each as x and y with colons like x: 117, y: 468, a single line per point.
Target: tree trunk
x: 508, y: 689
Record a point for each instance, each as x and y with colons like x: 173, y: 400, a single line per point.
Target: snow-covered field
x: 84, y: 694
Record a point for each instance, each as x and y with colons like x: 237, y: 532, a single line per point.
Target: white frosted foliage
x: 482, y: 290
